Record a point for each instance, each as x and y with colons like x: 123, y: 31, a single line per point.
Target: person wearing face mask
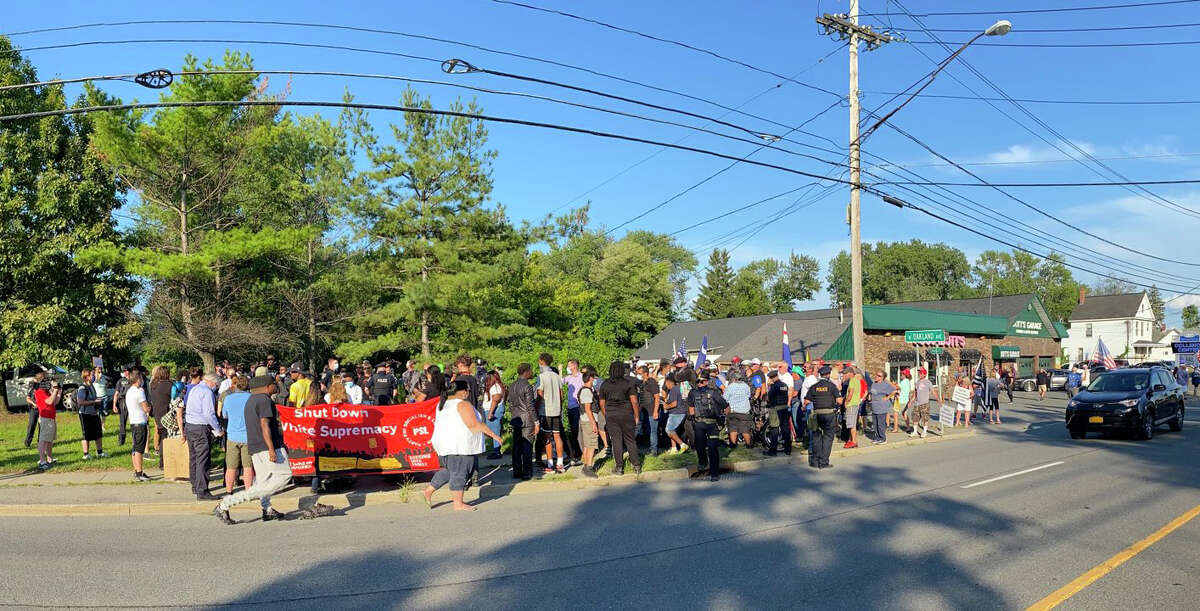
x: 354, y: 392
x: 330, y: 374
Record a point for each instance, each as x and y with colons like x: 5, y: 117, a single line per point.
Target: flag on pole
x: 787, y: 348
x: 682, y: 348
x: 981, y: 380
x: 703, y: 356
x: 1103, y: 356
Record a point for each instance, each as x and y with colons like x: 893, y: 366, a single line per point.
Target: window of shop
x: 900, y: 359
x: 1088, y: 330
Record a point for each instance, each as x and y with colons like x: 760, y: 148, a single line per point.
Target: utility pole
x: 846, y: 27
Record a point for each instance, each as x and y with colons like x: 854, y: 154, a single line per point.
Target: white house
x: 1125, y: 323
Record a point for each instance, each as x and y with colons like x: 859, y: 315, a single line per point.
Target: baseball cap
x: 735, y: 360
x: 261, y: 381
x: 755, y: 362
x: 825, y: 370
x: 773, y: 374
x: 679, y: 360
x: 703, y: 375
x: 922, y: 371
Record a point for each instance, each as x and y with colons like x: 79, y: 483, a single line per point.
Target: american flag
x: 1103, y: 356
x: 981, y: 380
x: 682, y: 348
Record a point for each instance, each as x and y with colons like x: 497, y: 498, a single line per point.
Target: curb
x: 351, y: 500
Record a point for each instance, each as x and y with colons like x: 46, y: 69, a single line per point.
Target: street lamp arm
x: 1000, y: 28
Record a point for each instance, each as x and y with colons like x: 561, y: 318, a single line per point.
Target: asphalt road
x: 912, y: 528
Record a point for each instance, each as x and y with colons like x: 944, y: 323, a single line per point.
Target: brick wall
x: 878, y: 345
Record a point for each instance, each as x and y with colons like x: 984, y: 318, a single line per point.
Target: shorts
x: 963, y: 407
x: 90, y: 424
x: 139, y: 438
x: 588, y: 439
x: 1042, y: 388
x: 550, y: 424
x: 852, y: 416
x: 673, y: 421
x: 47, y: 430
x: 740, y: 424
x: 237, y: 455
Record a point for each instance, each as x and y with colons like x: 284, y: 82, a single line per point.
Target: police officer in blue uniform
x: 825, y: 398
x: 706, y: 405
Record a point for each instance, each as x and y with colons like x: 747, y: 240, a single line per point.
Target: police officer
x: 825, y: 398
x: 705, y: 406
x: 382, y: 385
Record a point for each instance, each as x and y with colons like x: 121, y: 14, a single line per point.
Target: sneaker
x: 850, y: 445
x: 637, y: 470
x: 589, y: 472
x: 42, y: 466
x: 881, y: 442
x: 683, y: 448
x: 548, y: 470
x: 913, y: 433
x: 87, y: 457
x: 576, y: 463
x: 223, y: 515
x: 560, y: 470
x: 103, y: 455
x: 712, y: 478
x: 270, y: 514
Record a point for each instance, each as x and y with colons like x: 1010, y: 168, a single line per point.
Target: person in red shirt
x: 47, y: 401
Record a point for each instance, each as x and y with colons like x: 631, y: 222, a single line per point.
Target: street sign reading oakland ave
x: 927, y: 335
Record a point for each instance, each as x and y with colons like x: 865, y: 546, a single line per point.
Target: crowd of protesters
x: 558, y: 419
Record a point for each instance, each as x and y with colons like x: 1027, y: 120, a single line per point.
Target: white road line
x: 998, y: 478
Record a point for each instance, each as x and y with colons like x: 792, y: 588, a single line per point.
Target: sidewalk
x: 83, y: 493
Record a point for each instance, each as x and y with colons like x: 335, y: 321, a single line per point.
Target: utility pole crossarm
x: 843, y: 26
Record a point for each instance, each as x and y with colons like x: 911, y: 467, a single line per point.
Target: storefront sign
x: 1027, y: 327
x: 927, y: 335
x: 360, y: 439
x: 1187, y: 344
x: 1006, y: 353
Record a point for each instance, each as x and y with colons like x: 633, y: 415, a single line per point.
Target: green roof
x: 899, y: 318
x: 842, y: 348
x: 1061, y: 330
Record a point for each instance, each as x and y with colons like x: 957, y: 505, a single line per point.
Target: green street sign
x: 927, y: 335
x: 936, y: 350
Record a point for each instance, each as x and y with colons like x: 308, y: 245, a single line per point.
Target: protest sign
x: 347, y: 439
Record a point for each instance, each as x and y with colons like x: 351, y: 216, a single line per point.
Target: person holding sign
x: 963, y: 398
x: 457, y: 439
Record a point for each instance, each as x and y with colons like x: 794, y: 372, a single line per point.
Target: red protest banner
x: 350, y: 439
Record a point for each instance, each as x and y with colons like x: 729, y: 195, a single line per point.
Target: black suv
x: 1133, y: 400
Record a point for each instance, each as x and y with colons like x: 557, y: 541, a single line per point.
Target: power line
x: 903, y: 204
x: 422, y: 81
x: 715, y: 174
x: 1041, y: 10
x: 404, y: 35
x: 1048, y: 101
x: 1116, y: 183
x: 1060, y: 30
x: 667, y: 41
x: 1035, y: 161
x: 1065, y: 45
x: 1152, y: 196
x: 686, y: 136
x: 392, y: 107
x: 228, y: 41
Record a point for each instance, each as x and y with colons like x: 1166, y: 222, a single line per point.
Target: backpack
x: 704, y: 404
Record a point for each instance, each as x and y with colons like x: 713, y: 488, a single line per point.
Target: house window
x: 1088, y: 330
x: 1079, y: 355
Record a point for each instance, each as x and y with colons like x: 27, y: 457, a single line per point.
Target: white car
x: 19, y: 382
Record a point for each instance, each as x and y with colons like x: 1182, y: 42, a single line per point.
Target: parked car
x: 1127, y: 400
x: 1058, y: 381
x: 19, y: 382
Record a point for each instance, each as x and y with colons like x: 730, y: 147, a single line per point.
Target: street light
x: 1000, y: 28
x: 858, y: 334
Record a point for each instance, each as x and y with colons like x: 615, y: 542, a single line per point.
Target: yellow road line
x: 1062, y: 594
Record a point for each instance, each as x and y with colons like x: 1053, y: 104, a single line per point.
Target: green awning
x: 1006, y: 353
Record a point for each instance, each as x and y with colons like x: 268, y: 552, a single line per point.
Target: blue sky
x: 541, y: 171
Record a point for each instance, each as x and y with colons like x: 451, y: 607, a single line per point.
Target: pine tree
x: 1157, y: 306
x: 716, y: 298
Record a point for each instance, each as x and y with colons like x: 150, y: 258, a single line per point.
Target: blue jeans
x: 651, y: 425
x: 880, y: 426
x: 495, y: 425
